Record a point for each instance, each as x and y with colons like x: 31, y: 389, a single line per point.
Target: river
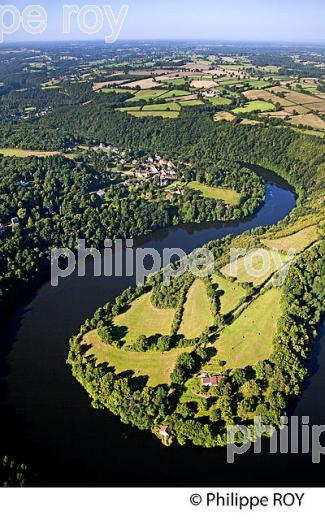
x: 47, y: 418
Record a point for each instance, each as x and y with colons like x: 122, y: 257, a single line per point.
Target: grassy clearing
x: 191, y: 103
x: 129, y: 109
x: 252, y: 106
x: 175, y: 82
x: 174, y: 93
x: 147, y: 94
x: 174, y: 107
x: 233, y: 293
x: 166, y: 114
x: 317, y: 133
x: 224, y: 116
x: 260, y: 83
x: 250, y: 338
x: 227, y: 195
x: 230, y: 82
x: 220, y: 101
x: 197, y: 313
x: 13, y: 152
x: 145, y: 319
x: 158, y: 366
x: 255, y: 267
x: 298, y: 241
x: 107, y: 90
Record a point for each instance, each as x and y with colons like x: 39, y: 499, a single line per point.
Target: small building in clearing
x: 211, y: 381
x: 164, y: 432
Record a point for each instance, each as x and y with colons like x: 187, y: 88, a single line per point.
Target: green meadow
x: 249, y: 339
x: 228, y: 195
x: 197, y: 315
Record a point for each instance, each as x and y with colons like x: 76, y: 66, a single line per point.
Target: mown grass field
x: 175, y: 82
x: 250, y: 338
x: 191, y: 103
x: 116, y: 90
x: 252, y: 106
x: 158, y: 366
x: 233, y: 293
x: 13, y: 152
x: 145, y: 319
x: 130, y: 109
x: 298, y: 241
x: 255, y: 267
x: 147, y: 94
x: 161, y: 107
x: 259, y: 83
x: 220, y: 101
x: 197, y: 314
x: 174, y: 93
x: 165, y: 114
x: 227, y: 195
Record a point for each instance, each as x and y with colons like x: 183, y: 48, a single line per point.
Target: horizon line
x: 162, y: 39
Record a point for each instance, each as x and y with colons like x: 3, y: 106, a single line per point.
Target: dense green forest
x: 56, y: 204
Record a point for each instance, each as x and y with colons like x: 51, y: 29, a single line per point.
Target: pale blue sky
x: 262, y: 20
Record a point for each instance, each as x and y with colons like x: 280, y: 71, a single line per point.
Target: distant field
x: 317, y: 133
x: 259, y: 83
x: 147, y: 94
x: 258, y: 260
x: 107, y: 90
x: 203, y: 84
x: 166, y: 114
x: 130, y: 109
x: 143, y: 84
x: 158, y: 366
x: 227, y: 195
x: 249, y: 339
x: 163, y: 107
x: 252, y: 106
x: 219, y: 101
x: 319, y: 106
x: 233, y: 293
x: 299, y: 98
x: 298, y: 241
x: 197, y: 313
x: 145, y: 319
x: 13, y: 152
x: 174, y: 93
x: 176, y: 82
x: 308, y: 120
x: 230, y: 81
x: 267, y: 95
x: 191, y: 103
x: 224, y: 116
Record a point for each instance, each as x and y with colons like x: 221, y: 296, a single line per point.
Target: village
x: 133, y: 171
x: 124, y: 168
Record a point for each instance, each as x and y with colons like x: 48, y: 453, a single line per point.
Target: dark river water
x: 47, y: 418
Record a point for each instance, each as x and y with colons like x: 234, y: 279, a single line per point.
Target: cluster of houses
x: 156, y: 168
x: 209, y: 94
x: 40, y: 113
